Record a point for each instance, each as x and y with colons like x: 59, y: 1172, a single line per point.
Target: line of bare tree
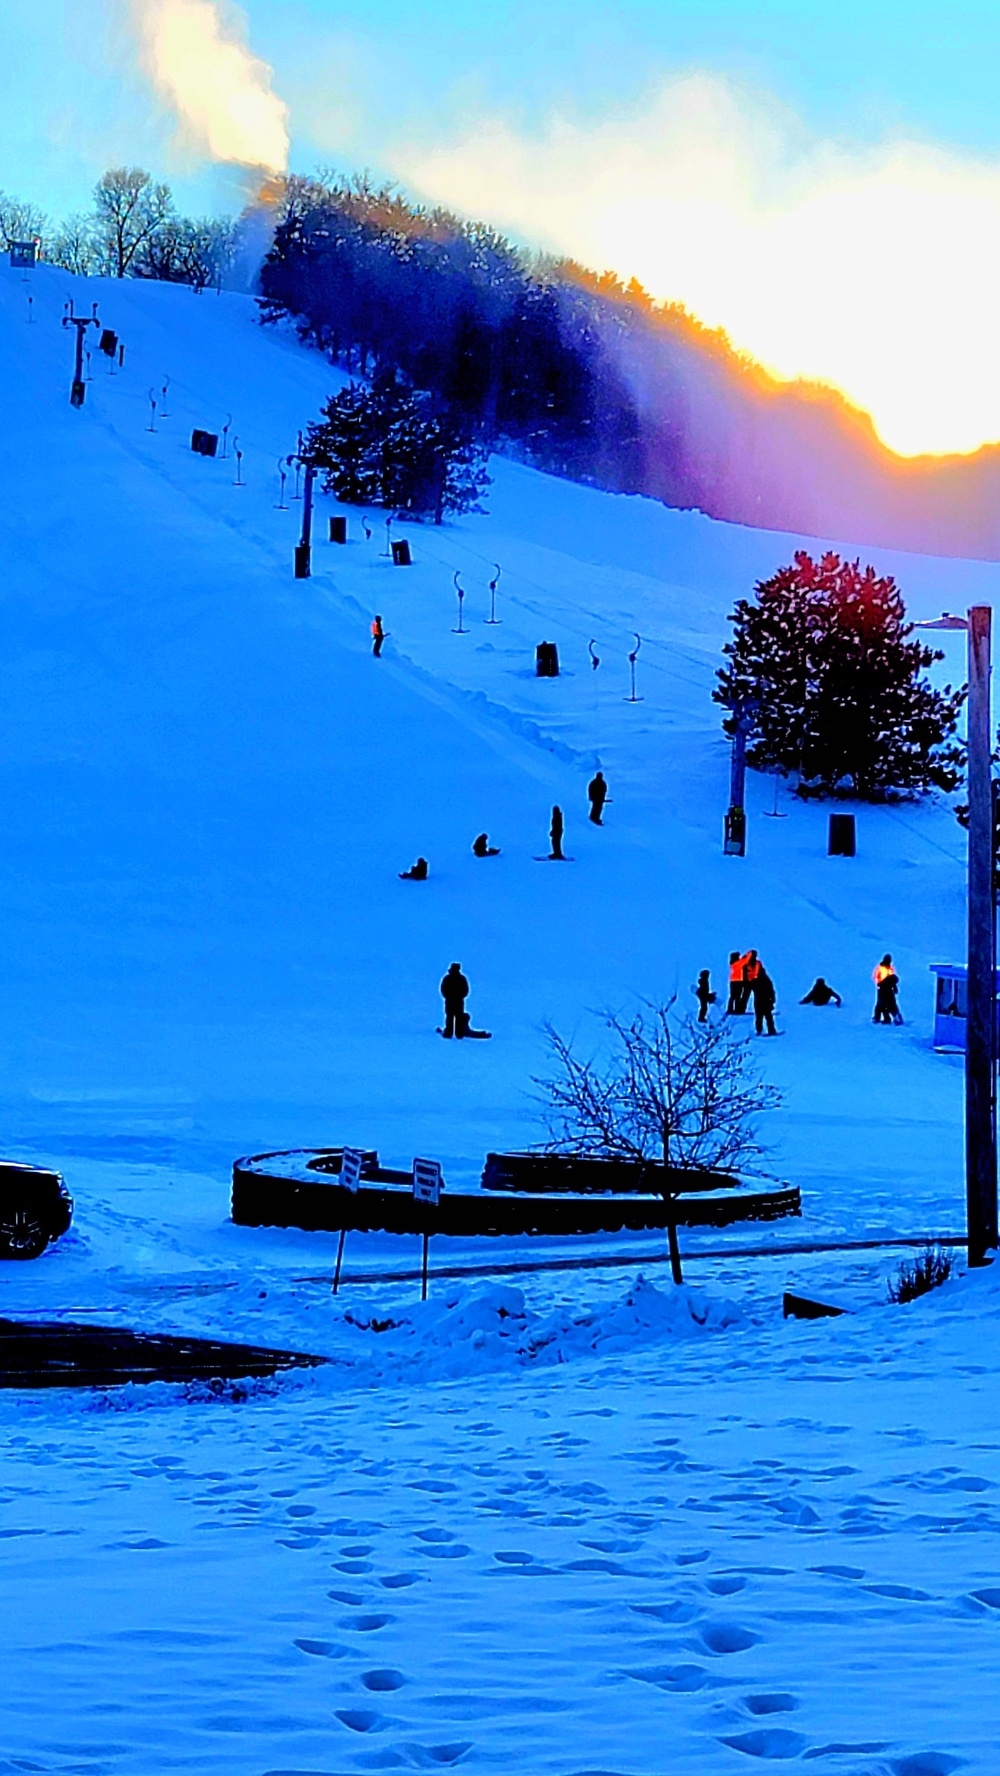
x: 132, y: 230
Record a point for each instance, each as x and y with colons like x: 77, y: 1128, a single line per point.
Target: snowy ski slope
x: 534, y: 1504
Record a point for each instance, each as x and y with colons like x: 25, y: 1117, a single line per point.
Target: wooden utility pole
x: 981, y: 975
x: 980, y: 1049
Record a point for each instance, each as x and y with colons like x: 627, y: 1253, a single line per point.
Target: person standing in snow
x: 763, y: 1000
x: 734, y: 1005
x: 886, y: 988
x: 820, y: 993
x: 378, y: 636
x: 704, y: 995
x: 556, y: 836
x: 454, y: 992
x: 597, y: 790
x: 750, y: 968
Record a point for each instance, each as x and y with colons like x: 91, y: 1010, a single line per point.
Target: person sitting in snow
x: 417, y: 874
x: 821, y: 994
x: 481, y: 847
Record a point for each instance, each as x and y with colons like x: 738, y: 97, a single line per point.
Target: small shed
x: 951, y: 1004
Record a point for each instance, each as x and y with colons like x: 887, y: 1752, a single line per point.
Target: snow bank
x: 467, y: 1331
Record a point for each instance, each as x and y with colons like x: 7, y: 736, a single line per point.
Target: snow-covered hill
x: 209, y: 787
x: 207, y: 790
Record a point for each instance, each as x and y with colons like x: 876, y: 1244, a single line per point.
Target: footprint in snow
x: 680, y: 1680
x: 768, y: 1742
x: 382, y: 1680
x: 926, y: 1763
x: 771, y: 1702
x: 367, y: 1624
x: 398, y: 1581
x: 363, y: 1720
x: 727, y: 1637
x: 725, y: 1584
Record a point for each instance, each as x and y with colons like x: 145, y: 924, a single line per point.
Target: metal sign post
x: 427, y: 1187
x: 350, y: 1177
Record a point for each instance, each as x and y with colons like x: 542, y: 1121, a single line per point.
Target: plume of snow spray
x: 196, y: 55
x: 874, y: 269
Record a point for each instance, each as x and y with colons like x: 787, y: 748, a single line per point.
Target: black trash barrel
x: 204, y: 443
x: 401, y: 553
x: 546, y: 660
x: 338, y: 530
x: 842, y: 836
x: 302, y: 566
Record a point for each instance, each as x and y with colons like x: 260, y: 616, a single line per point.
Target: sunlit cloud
x: 876, y: 270
x: 196, y: 55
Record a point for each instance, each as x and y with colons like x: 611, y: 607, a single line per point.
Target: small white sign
x: 350, y: 1168
x: 427, y: 1181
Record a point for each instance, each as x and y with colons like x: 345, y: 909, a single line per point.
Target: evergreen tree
x: 388, y: 445
x: 824, y: 661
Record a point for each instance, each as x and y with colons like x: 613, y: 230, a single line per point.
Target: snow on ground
x: 561, y: 1519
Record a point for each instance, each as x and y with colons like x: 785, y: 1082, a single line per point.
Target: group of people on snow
x: 750, y: 983
x: 597, y: 794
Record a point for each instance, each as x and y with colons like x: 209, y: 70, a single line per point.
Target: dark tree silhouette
x: 823, y: 661
x: 393, y: 445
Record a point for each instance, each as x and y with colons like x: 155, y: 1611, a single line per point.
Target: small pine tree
x: 824, y: 661
x: 387, y: 445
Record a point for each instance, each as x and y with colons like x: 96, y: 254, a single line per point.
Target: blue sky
x: 359, y: 76
x: 730, y: 155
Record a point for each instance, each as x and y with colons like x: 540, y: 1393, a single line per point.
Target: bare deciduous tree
x: 19, y: 221
x: 130, y: 210
x: 73, y: 247
x: 668, y: 1091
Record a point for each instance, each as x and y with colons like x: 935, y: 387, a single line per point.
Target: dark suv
x: 35, y: 1208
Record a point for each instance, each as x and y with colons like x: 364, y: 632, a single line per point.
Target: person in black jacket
x: 763, y: 992
x: 704, y: 995
x: 556, y: 836
x: 597, y: 790
x: 481, y: 847
x: 454, y: 992
x: 417, y: 874
x: 820, y: 993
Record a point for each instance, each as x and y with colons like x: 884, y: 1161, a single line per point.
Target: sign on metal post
x: 427, y: 1187
x: 427, y: 1183
x: 23, y: 255
x: 350, y: 1168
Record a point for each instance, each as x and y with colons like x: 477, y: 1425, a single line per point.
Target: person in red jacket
x: 750, y: 966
